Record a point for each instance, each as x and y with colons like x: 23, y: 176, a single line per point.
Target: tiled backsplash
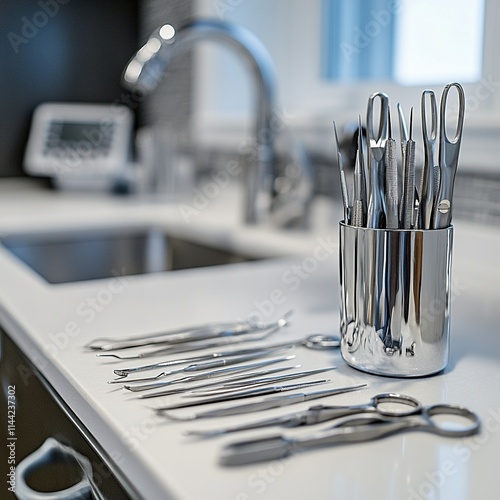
x: 477, y: 195
x: 171, y: 101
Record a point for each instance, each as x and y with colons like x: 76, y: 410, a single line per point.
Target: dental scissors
x: 449, y: 151
x: 356, y: 429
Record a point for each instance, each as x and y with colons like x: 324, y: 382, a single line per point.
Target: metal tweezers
x: 250, y: 393
x: 231, y: 387
x: 263, y: 404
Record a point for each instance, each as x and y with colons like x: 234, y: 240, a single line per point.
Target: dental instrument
x: 263, y: 404
x: 249, y: 393
x: 189, y: 334
x: 205, y: 375
x: 314, y: 341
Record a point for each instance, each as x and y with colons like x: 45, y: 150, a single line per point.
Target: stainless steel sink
x: 64, y: 257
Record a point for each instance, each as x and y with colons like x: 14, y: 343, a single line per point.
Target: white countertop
x: 47, y: 322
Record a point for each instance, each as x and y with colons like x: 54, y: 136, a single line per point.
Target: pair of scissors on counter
x: 385, y: 415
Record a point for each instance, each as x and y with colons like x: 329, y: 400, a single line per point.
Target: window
x: 357, y: 40
x: 412, y: 42
x: 316, y: 83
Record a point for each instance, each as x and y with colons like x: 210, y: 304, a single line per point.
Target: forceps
x: 376, y: 159
x: 448, y: 157
x: 359, y: 201
x: 356, y: 429
x: 189, y: 334
x: 428, y: 183
x: 409, y: 194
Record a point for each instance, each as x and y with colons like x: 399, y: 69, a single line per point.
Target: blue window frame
x: 357, y: 39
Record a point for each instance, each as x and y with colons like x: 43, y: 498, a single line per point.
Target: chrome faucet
x: 145, y: 70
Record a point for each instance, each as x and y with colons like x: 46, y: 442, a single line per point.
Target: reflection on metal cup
x: 395, y: 288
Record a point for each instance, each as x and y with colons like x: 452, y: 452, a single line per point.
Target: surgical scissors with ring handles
x: 446, y: 420
x: 387, y: 405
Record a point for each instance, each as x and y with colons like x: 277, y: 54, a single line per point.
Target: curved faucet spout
x: 147, y: 67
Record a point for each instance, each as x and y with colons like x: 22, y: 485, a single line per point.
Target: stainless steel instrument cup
x: 395, y: 287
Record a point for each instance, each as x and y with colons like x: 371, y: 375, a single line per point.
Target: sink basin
x: 64, y: 257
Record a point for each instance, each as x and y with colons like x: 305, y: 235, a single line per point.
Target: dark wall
x: 59, y: 50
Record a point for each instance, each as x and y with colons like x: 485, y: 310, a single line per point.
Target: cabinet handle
x: 53, y: 451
